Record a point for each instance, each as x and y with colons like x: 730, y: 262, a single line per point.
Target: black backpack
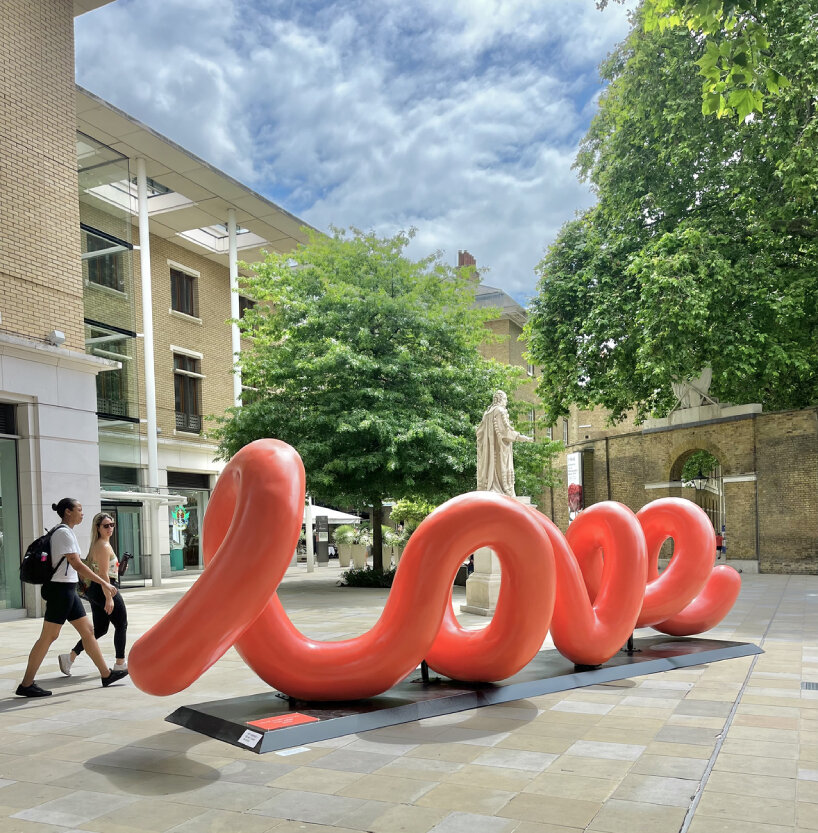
x: 35, y: 567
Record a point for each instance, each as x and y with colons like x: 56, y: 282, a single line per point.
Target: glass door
x: 128, y: 534
x: 11, y: 590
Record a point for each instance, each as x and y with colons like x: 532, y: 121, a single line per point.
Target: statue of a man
x: 495, y: 462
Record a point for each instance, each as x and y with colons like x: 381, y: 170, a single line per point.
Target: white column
x: 308, y: 534
x: 152, y: 507
x: 235, y: 339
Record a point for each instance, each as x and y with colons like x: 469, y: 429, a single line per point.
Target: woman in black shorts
x: 63, y: 604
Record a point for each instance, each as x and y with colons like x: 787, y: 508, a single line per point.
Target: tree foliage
x: 703, y: 247
x: 367, y: 363
x: 700, y: 461
x: 739, y: 68
x: 411, y: 511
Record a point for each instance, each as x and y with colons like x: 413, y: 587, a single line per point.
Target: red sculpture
x: 592, y: 587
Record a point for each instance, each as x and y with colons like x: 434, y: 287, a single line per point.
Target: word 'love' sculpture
x: 591, y: 587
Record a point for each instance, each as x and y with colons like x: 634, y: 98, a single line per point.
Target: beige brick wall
x: 211, y: 337
x: 40, y: 277
x: 788, y: 491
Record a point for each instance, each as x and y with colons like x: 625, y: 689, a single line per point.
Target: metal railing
x: 113, y: 407
x: 189, y: 422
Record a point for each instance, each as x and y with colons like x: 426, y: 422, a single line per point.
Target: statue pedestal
x: 483, y: 585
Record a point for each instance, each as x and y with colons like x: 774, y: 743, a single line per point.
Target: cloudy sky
x: 459, y: 118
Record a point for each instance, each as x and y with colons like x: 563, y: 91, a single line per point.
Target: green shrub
x: 367, y: 577
x: 344, y: 534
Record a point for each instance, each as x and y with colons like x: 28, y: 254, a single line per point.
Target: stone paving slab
x: 730, y: 747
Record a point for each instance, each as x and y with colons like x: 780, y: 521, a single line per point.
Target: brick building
x: 763, y: 493
x: 508, y: 348
x: 118, y: 265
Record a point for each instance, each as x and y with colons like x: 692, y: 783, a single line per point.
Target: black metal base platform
x: 231, y: 720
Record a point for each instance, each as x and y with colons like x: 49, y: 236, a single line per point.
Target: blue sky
x: 460, y: 119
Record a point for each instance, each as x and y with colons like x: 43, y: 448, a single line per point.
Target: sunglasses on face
x: 108, y: 526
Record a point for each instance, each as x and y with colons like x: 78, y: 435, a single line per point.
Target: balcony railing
x: 189, y: 422
x: 112, y: 407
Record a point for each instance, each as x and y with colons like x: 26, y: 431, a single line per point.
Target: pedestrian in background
x: 62, y: 604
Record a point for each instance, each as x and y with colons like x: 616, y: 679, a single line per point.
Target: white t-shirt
x: 64, y: 541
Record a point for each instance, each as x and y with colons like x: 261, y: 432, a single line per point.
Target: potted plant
x: 360, y: 547
x: 396, y: 541
x: 344, y: 537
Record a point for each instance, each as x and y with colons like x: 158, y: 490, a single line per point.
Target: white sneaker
x: 120, y: 666
x: 65, y: 664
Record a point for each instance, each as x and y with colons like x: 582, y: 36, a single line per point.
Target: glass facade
x: 11, y: 590
x: 107, y: 208
x: 106, y: 220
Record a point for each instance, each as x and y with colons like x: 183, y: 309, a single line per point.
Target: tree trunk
x: 377, y: 535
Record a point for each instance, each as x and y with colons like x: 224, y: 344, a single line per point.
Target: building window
x: 116, y: 388
x: 244, y: 305
x: 183, y: 292
x: 565, y: 432
x: 112, y: 399
x: 102, y: 256
x: 549, y: 432
x: 187, y: 385
x: 529, y: 369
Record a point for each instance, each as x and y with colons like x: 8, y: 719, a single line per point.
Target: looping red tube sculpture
x: 592, y: 587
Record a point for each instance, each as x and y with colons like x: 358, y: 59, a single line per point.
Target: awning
x: 333, y: 515
x: 143, y: 497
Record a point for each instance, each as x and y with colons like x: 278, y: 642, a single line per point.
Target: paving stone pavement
x: 730, y: 747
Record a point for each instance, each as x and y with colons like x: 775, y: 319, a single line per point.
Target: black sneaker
x: 32, y: 690
x: 116, y: 674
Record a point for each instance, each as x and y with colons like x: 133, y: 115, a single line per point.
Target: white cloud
x: 460, y: 119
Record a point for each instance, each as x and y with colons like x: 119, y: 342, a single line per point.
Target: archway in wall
x: 697, y: 475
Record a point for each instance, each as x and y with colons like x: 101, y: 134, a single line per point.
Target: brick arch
x: 677, y: 456
x: 714, y: 504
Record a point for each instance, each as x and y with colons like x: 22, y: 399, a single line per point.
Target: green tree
x: 367, y: 363
x: 411, y: 511
x: 703, y: 247
x: 738, y: 66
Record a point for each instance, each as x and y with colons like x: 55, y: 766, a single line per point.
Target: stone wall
x: 770, y: 480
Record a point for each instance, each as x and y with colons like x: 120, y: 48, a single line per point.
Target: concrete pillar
x: 483, y: 585
x: 152, y: 507
x: 235, y: 339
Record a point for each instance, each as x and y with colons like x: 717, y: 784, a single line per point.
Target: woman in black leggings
x: 105, y: 608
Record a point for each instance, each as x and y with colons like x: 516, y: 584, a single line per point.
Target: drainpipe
x: 150, y: 378
x: 235, y: 339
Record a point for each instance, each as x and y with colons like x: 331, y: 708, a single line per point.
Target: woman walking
x: 106, y: 609
x: 63, y: 604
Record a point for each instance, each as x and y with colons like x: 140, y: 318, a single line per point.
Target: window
x: 187, y: 381
x: 104, y: 260
x: 244, y: 305
x: 549, y: 432
x: 565, y: 432
x: 529, y: 369
x: 183, y: 292
x: 115, y: 388
x: 112, y: 399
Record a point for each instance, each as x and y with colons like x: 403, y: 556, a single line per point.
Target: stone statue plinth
x: 483, y: 585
